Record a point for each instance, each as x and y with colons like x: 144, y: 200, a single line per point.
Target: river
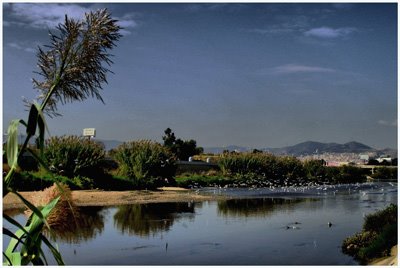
x: 281, y: 226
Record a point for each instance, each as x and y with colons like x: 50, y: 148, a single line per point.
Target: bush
x: 378, y: 236
x: 349, y: 174
x: 73, y: 156
x: 244, y: 163
x: 261, y: 166
x: 377, y: 221
x: 141, y: 160
x: 315, y: 170
x: 385, y: 173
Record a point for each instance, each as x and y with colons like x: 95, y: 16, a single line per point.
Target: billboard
x: 89, y: 132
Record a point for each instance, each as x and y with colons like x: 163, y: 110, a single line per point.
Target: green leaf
x: 42, y: 128
x: 14, y: 259
x: 12, y: 144
x: 35, y: 210
x: 32, y: 121
x: 56, y: 253
x: 15, y: 223
x: 14, y: 242
x: 38, y: 219
x: 12, y: 235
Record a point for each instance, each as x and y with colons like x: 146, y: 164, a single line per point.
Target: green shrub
x: 350, y: 174
x: 315, y: 170
x: 261, y: 165
x: 73, y: 156
x: 378, y: 236
x: 241, y: 164
x: 385, y: 173
x: 377, y: 221
x: 289, y: 167
x: 141, y: 160
x: 381, y: 245
x: 35, y: 181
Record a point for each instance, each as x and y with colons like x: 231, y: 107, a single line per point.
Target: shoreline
x: 387, y: 261
x: 114, y: 198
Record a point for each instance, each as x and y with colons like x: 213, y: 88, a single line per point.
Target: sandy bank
x: 387, y: 261
x: 110, y: 198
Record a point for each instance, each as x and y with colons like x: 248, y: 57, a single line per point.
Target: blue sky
x: 256, y: 75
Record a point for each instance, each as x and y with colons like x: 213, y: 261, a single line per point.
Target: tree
x: 180, y: 148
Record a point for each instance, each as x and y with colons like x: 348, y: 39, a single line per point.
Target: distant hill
x: 312, y: 147
x: 308, y: 148
x: 220, y: 150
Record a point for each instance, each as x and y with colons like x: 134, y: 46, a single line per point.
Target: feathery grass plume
x: 75, y: 65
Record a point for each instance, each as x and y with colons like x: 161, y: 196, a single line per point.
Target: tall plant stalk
x: 73, y: 69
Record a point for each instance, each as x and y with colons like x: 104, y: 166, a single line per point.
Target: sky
x: 256, y: 75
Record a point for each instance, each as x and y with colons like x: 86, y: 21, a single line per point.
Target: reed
x: 73, y: 68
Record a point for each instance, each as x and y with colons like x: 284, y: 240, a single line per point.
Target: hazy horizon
x: 253, y: 75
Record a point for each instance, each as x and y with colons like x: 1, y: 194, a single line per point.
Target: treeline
x: 84, y: 164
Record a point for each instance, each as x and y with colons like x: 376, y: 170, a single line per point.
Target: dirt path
x: 387, y: 261
x: 110, y: 198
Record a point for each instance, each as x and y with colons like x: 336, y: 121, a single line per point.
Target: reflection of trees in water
x: 144, y: 219
x: 85, y: 224
x: 258, y: 207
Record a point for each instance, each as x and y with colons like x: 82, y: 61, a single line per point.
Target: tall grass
x: 72, y: 69
x: 73, y: 156
x: 286, y: 169
x: 144, y: 159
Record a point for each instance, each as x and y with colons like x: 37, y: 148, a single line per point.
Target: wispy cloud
x: 22, y: 47
x: 343, y: 6
x: 327, y: 32
x: 284, y: 25
x: 44, y: 16
x: 296, y: 68
x: 388, y: 123
x: 127, y: 22
x: 228, y: 7
x: 48, y: 16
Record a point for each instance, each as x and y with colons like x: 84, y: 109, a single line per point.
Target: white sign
x: 89, y: 132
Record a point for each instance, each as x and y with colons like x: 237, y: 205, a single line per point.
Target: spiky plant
x: 73, y: 68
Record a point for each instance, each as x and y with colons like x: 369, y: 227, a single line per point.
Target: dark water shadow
x: 149, y: 219
x: 258, y: 207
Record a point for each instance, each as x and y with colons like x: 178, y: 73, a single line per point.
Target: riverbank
x: 111, y: 198
x: 387, y: 261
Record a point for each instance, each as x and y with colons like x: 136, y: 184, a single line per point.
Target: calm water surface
x: 282, y: 226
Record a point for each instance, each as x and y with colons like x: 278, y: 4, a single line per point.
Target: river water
x: 281, y: 226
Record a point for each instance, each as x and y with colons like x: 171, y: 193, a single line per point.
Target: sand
x: 111, y: 198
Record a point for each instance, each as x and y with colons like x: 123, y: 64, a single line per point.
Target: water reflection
x: 260, y: 207
x: 87, y: 224
x: 146, y: 219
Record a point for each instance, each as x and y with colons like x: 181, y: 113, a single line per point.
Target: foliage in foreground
x: 144, y: 160
x: 72, y: 70
x: 378, y: 236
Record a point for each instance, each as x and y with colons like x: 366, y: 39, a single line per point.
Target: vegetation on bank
x: 378, y: 236
x: 83, y: 164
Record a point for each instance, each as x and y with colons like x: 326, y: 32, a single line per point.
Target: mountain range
x: 304, y: 148
x: 309, y: 148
